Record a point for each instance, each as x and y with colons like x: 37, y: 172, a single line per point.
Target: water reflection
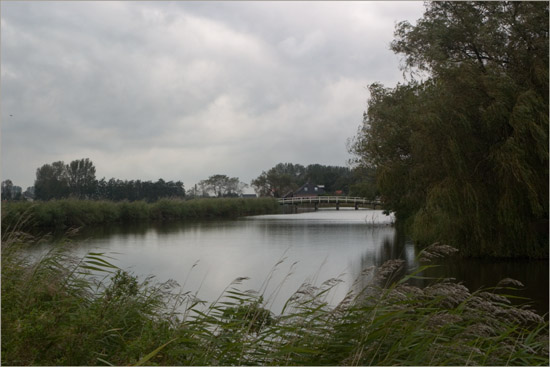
x: 473, y: 273
x: 206, y: 256
x: 483, y: 273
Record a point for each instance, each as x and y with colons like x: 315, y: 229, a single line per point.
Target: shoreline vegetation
x: 70, y: 213
x: 62, y: 310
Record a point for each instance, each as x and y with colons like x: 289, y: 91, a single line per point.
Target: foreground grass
x: 75, y: 213
x: 58, y: 310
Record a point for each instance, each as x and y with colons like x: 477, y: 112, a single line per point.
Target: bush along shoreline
x: 68, y: 213
x: 57, y: 311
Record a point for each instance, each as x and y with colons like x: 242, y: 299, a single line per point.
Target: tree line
x: 14, y: 192
x: 461, y: 155
x: 284, y: 178
x: 218, y: 185
x: 287, y: 177
x: 78, y: 180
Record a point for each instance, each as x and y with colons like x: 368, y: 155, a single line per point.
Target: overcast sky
x: 185, y: 90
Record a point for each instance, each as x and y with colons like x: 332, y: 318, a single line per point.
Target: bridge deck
x: 327, y: 199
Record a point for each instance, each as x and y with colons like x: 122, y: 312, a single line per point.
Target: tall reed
x: 76, y: 213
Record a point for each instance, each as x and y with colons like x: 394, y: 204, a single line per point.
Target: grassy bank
x: 55, y: 313
x: 75, y: 213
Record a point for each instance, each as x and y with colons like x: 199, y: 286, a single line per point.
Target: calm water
x: 204, y: 257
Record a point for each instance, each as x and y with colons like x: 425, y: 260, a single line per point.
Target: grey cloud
x: 183, y: 90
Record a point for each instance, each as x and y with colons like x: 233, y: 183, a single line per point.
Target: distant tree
x: 52, y: 181
x: 235, y: 187
x: 202, y: 189
x: 29, y: 193
x: 81, y: 178
x: 222, y: 185
x: 17, y: 193
x: 133, y: 190
x: 287, y: 177
x: 333, y: 177
x: 262, y: 186
x: 101, y: 189
x: 7, y: 190
x: 193, y: 192
x: 77, y: 179
x: 214, y: 184
x: 280, y: 180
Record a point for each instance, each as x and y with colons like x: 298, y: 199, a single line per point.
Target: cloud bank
x: 185, y: 90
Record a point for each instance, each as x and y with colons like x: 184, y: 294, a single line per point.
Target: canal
x: 278, y: 253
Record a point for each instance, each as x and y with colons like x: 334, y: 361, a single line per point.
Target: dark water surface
x: 205, y: 257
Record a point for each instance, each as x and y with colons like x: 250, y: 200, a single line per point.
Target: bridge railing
x: 327, y: 199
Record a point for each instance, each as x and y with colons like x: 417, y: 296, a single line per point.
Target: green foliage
x: 76, y: 213
x: 363, y: 183
x: 280, y: 180
x: 51, y: 181
x: 58, y: 180
x: 60, y: 310
x: 463, y: 156
x: 249, y: 313
x: 137, y: 190
x: 287, y: 177
x: 222, y: 186
x: 11, y: 191
x: 77, y: 180
x: 55, y: 313
x: 81, y: 178
x: 333, y: 177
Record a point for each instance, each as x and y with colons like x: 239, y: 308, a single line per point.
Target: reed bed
x: 70, y: 213
x: 62, y: 310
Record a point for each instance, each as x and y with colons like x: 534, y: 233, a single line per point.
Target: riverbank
x: 68, y: 213
x: 55, y: 313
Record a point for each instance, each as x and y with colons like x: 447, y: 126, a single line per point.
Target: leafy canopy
x: 462, y: 156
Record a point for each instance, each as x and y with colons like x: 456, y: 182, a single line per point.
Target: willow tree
x: 462, y: 156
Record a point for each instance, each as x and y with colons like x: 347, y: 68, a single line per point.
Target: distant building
x: 309, y: 189
x: 249, y: 196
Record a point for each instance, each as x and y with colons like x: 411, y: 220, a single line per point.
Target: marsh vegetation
x: 64, y: 310
x: 70, y: 213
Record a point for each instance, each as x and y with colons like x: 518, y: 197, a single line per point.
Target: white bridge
x: 316, y: 200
